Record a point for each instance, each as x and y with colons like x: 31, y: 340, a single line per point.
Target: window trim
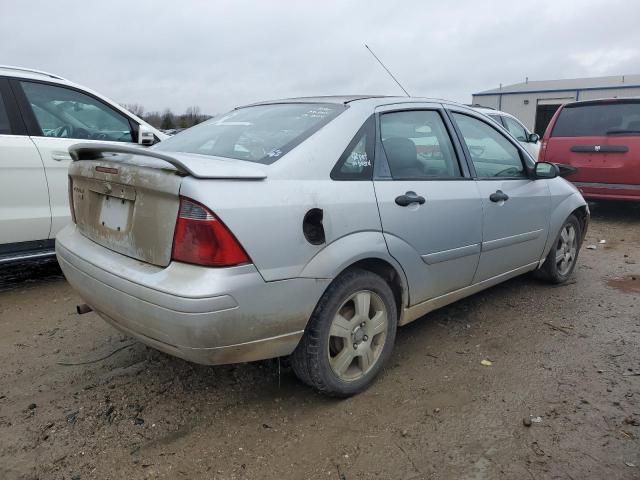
x: 515, y: 143
x: 16, y: 123
x: 33, y: 127
x: 368, y: 128
x: 381, y: 156
x: 496, y: 117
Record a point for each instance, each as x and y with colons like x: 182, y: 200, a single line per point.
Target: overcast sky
x: 219, y: 54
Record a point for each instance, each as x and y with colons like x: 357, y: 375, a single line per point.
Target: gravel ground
x: 80, y: 401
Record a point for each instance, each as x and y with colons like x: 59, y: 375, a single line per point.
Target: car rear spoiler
x: 96, y: 151
x: 213, y: 167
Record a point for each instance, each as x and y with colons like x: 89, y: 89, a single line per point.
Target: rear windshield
x: 598, y: 120
x: 261, y: 133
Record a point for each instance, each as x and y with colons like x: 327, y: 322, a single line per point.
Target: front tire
x: 350, y: 335
x: 563, y: 256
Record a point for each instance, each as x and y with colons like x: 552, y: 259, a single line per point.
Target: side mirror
x: 546, y: 170
x: 533, y: 138
x: 145, y: 136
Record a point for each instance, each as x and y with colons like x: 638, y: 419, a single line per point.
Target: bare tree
x: 135, y: 108
x: 168, y: 120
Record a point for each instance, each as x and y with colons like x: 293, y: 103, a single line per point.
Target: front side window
x: 417, y: 145
x: 260, y: 133
x: 515, y: 129
x: 66, y: 113
x: 491, y: 153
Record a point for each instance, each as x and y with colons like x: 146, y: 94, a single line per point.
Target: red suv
x: 601, y: 138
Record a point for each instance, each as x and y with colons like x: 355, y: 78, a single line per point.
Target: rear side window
x: 356, y: 163
x: 5, y: 126
x: 260, y: 134
x: 598, y: 120
x: 418, y: 146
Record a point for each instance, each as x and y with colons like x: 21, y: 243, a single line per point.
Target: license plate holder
x: 115, y: 213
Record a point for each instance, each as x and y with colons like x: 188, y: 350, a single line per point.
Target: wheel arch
x: 573, y: 204
x: 365, y: 250
x: 389, y: 274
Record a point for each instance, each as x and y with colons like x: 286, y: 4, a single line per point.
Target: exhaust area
x: 83, y: 308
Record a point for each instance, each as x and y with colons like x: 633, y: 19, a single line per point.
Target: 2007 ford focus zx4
x: 311, y: 227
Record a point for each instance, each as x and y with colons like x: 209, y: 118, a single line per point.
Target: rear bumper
x: 609, y: 191
x: 205, y: 315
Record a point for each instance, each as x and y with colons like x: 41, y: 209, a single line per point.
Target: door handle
x: 60, y: 156
x: 499, y: 196
x: 409, y: 198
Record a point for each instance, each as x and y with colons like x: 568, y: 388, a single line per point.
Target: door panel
x: 429, y: 206
x: 515, y: 230
x: 516, y: 209
x: 24, y: 197
x: 437, y: 243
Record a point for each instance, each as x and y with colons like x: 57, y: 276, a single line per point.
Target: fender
x: 345, y: 251
x: 559, y: 214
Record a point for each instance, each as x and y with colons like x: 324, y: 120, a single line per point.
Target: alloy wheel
x: 357, y: 335
x: 566, y: 249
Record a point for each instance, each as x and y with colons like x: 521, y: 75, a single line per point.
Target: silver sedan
x: 311, y: 227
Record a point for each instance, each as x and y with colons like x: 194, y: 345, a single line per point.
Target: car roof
x: 600, y: 101
x: 493, y: 111
x: 32, y: 73
x: 373, y: 100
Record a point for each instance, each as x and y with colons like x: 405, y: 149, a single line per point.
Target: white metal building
x: 535, y: 102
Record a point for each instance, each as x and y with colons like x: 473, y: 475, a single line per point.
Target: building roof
x: 569, y: 84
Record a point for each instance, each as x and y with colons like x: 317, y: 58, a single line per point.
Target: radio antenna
x: 387, y: 70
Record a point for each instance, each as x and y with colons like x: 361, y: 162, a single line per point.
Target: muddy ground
x: 569, y: 355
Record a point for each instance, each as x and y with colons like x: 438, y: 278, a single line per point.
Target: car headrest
x: 401, y: 152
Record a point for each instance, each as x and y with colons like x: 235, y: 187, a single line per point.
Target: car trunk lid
x: 129, y: 202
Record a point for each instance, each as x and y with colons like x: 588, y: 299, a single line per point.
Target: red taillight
x: 201, y: 238
x: 71, y: 206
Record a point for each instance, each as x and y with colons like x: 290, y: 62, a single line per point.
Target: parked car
x: 530, y: 141
x: 41, y: 115
x: 310, y: 227
x: 601, y: 138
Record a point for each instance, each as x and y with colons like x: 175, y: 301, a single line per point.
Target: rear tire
x: 349, y: 337
x: 563, y: 256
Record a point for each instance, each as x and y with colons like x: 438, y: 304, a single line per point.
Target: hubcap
x: 357, y: 335
x: 566, y: 249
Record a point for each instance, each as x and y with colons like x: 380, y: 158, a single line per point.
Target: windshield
x: 598, y: 120
x: 261, y: 133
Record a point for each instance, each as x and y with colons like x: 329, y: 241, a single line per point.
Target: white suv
x: 530, y: 141
x: 41, y: 115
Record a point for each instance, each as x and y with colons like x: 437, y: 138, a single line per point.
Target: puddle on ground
x: 28, y: 273
x: 627, y: 284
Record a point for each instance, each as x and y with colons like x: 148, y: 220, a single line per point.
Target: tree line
x: 167, y: 120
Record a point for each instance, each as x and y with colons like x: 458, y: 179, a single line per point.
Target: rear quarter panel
x: 267, y: 215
